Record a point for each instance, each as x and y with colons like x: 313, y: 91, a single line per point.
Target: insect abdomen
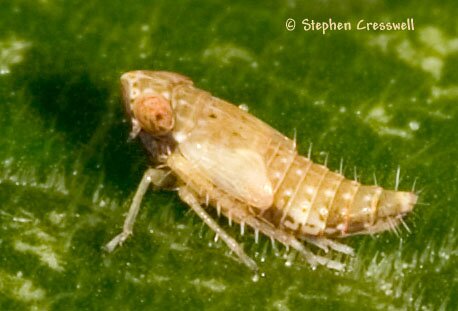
x: 312, y: 200
x: 309, y: 199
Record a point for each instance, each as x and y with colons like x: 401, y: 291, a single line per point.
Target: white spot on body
x: 298, y: 214
x: 323, y: 211
x: 310, y: 190
x: 182, y: 102
x: 201, y: 122
x: 288, y: 192
x: 305, y: 205
x: 148, y: 90
x: 340, y: 227
x: 166, y: 95
x: 329, y: 193
x: 244, y: 107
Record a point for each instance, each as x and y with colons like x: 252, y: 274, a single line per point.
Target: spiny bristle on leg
x: 218, y: 209
x: 229, y: 219
x: 414, y: 184
x: 309, y: 154
x: 272, y: 241
x: 393, y: 226
x: 341, y: 166
x: 404, y: 224
x: 398, y: 174
x: 290, y: 258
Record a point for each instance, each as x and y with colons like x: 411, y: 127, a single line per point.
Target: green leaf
x: 377, y: 100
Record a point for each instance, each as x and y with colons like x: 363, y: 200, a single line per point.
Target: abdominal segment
x: 312, y: 200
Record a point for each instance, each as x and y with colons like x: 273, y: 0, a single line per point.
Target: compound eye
x: 154, y: 113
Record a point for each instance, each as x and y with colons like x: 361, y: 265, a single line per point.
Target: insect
x: 216, y: 154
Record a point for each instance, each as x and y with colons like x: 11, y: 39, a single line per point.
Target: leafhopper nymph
x: 216, y: 154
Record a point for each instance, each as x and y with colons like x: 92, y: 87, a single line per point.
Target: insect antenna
x: 398, y: 173
x: 294, y: 138
x: 375, y: 179
x: 356, y: 174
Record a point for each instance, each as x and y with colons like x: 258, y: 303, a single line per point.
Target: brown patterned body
x: 220, y: 155
x: 309, y: 199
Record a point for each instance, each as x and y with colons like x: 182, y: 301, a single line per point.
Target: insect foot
x: 154, y: 176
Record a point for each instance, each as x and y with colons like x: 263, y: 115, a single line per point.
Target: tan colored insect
x: 216, y: 154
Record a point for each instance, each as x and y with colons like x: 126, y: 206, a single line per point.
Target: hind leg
x: 154, y: 176
x: 326, y: 244
x: 190, y: 198
x: 289, y: 240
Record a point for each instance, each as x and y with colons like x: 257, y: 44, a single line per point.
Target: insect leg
x: 187, y: 196
x: 289, y: 240
x: 325, y: 244
x: 136, y: 129
x: 151, y: 175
